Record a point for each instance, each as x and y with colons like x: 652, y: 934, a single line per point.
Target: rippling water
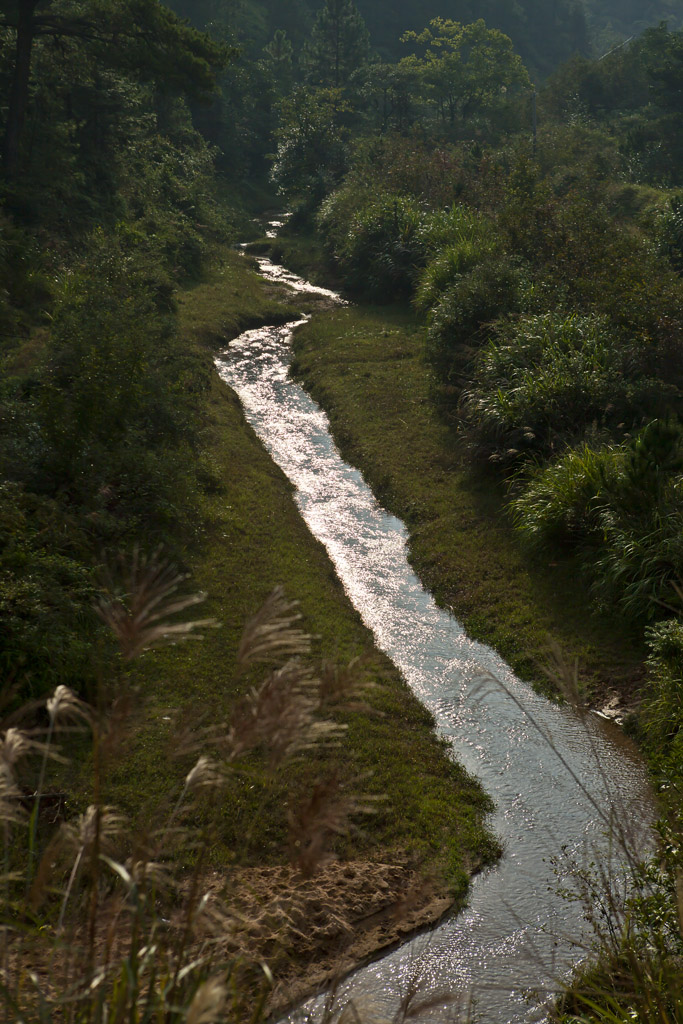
x: 555, y: 776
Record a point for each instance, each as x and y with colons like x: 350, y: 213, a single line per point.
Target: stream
x: 557, y: 777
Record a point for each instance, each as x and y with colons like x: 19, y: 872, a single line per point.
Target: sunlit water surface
x: 517, y: 934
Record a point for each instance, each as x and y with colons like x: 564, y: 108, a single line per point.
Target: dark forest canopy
x: 545, y: 34
x: 620, y: 19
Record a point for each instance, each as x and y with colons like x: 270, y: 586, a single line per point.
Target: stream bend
x: 556, y: 777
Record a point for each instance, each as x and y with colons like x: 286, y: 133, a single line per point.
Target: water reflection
x: 517, y: 935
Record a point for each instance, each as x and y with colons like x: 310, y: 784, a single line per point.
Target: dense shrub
x: 411, y: 165
x: 116, y: 401
x: 640, y: 562
x: 377, y: 242
x: 664, y: 711
x: 543, y: 379
x: 621, y: 507
x: 670, y: 233
x: 456, y: 225
x: 46, y: 594
x: 471, y: 305
x: 559, y: 504
x: 24, y: 284
x: 312, y: 156
x: 457, y: 240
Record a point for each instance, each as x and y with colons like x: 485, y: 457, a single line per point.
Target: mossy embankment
x: 366, y: 367
x: 250, y: 538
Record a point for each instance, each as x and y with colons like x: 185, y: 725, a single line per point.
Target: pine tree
x: 278, y: 55
x: 339, y: 44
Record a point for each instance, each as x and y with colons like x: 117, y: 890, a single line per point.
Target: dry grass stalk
x: 124, y: 899
x: 209, y: 1003
x: 272, y: 634
x: 14, y: 745
x: 142, y: 617
x: 281, y: 714
x: 327, y: 812
x: 563, y: 675
x: 11, y: 810
x: 344, y: 685
x: 65, y: 706
x: 206, y: 774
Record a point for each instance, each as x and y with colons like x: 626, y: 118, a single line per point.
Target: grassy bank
x: 365, y: 365
x: 250, y: 539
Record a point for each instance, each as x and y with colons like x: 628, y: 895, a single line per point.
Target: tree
x: 390, y: 90
x: 338, y: 45
x: 467, y: 68
x: 137, y: 35
x: 311, y: 154
x: 278, y: 54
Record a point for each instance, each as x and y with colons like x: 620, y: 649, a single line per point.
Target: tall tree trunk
x: 18, y: 100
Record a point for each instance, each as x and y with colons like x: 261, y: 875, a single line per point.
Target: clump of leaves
x: 619, y: 506
x: 382, y: 249
x: 542, y: 380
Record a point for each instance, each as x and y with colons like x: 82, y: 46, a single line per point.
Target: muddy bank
x: 311, y: 932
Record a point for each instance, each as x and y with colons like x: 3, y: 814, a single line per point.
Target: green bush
x: 639, y: 559
x: 312, y: 155
x: 559, y: 504
x: 663, y: 717
x: 621, y: 507
x: 381, y: 248
x: 542, y: 380
x: 456, y: 225
x: 24, y: 283
x: 117, y: 398
x: 640, y: 562
x: 46, y: 593
x: 449, y: 266
x: 670, y: 233
x: 468, y: 309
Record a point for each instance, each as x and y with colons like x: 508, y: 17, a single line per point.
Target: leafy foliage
x: 311, y: 154
x: 46, y: 603
x: 338, y: 46
x: 381, y: 249
x: 664, y: 715
x: 116, y: 399
x: 543, y: 379
x: 620, y: 506
x: 467, y: 69
x: 559, y: 504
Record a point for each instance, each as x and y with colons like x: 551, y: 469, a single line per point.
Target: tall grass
x: 541, y: 380
x: 559, y: 503
x: 619, y: 506
x: 105, y: 922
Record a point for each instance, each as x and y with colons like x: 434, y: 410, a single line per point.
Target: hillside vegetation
x: 544, y: 270
x: 532, y: 287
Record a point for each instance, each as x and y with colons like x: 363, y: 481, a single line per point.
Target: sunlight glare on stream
x: 517, y: 934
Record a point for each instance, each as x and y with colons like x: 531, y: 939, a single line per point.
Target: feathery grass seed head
x: 209, y: 1003
x: 272, y: 635
x: 143, y: 617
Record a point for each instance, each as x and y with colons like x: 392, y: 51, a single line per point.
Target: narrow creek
x: 557, y: 777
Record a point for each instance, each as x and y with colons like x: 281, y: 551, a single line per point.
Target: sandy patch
x: 313, y: 931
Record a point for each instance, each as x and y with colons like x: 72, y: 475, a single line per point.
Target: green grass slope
x: 252, y: 538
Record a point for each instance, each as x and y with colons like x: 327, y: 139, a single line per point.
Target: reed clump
x: 105, y: 922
